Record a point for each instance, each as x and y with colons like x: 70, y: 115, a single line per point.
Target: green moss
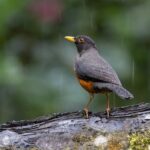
x: 84, y: 141
x: 82, y: 138
x: 87, y: 136
x: 114, y: 144
x: 117, y: 141
x: 139, y: 141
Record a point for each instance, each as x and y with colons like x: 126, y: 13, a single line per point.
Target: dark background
x: 36, y: 63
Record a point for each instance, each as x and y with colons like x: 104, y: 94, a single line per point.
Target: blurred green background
x: 36, y: 63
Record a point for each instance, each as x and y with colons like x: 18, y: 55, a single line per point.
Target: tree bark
x: 127, y: 128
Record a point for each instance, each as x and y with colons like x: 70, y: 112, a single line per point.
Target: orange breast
x: 88, y: 85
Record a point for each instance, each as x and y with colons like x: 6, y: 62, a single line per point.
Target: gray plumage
x: 90, y: 66
x: 117, y: 89
x: 94, y: 73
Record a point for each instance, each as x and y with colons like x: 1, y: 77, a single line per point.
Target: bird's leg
x: 108, y: 105
x: 86, y: 108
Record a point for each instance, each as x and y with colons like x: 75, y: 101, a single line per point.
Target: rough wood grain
x: 68, y: 131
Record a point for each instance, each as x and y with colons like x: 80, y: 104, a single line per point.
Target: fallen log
x: 127, y: 128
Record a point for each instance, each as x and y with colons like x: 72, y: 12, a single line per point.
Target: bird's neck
x: 83, y: 51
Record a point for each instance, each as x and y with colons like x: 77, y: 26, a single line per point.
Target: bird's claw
x: 86, y: 112
x: 108, y: 112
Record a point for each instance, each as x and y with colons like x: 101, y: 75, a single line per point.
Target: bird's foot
x: 86, y: 113
x: 108, y: 112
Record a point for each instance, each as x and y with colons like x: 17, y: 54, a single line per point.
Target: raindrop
x: 114, y: 100
x: 148, y: 75
x: 91, y: 21
x: 133, y: 72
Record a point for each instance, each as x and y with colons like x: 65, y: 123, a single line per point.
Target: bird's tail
x: 117, y: 89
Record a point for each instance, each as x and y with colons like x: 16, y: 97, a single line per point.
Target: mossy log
x: 127, y: 128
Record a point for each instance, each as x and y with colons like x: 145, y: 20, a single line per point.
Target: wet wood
x: 71, y: 130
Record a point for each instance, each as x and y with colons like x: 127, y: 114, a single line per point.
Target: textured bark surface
x: 68, y: 131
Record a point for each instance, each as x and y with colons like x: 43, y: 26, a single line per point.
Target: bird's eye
x: 81, y: 40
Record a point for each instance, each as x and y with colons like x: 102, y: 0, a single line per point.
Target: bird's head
x: 82, y: 42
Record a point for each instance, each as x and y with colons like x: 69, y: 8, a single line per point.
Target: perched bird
x: 94, y: 73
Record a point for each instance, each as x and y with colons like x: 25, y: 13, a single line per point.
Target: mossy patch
x: 82, y: 138
x: 114, y: 144
x: 139, y: 141
x: 83, y: 141
x: 117, y: 141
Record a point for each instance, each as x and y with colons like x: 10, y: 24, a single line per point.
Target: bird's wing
x: 96, y: 69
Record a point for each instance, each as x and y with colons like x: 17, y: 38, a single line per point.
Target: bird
x: 94, y: 73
